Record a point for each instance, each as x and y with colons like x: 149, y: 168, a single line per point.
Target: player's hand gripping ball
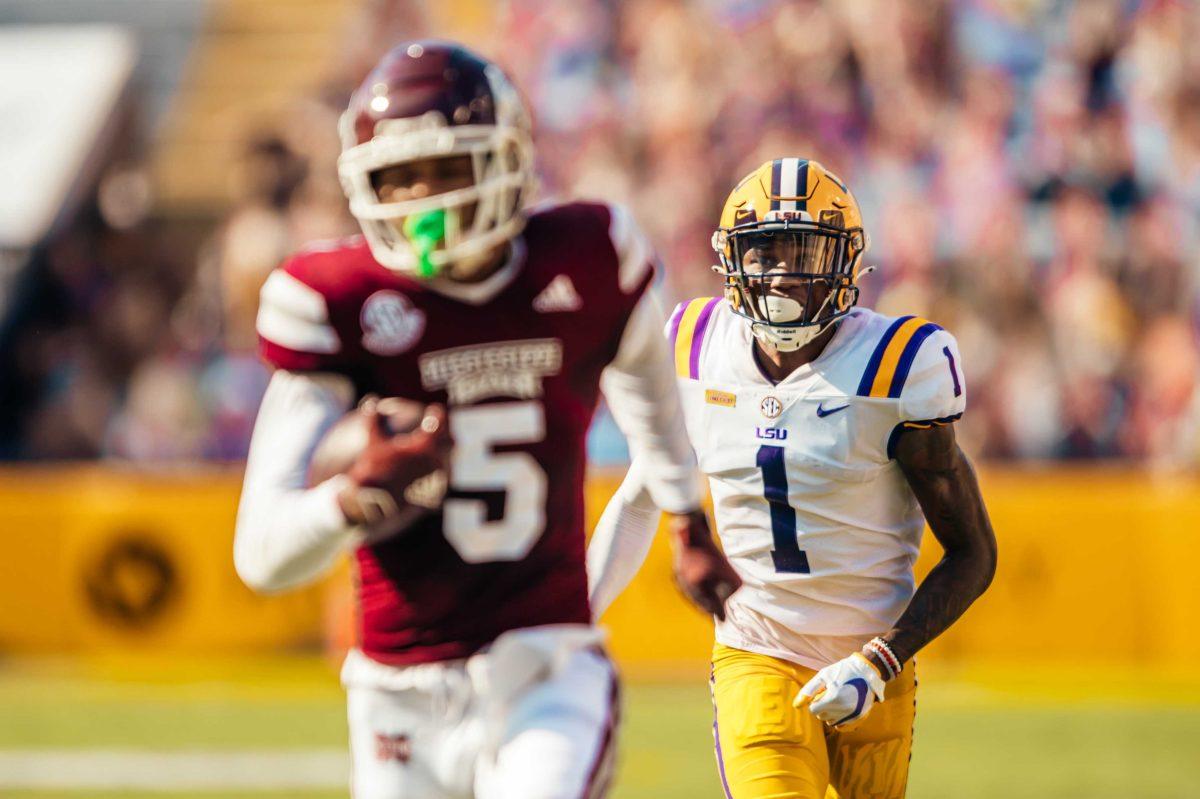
x: 393, y: 454
x: 843, y: 693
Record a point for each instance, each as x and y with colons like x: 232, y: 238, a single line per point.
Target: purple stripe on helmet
x: 673, y: 324
x: 698, y: 337
x: 802, y: 185
x: 776, y: 179
x: 712, y: 685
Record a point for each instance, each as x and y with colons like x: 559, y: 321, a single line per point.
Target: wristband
x: 885, y: 654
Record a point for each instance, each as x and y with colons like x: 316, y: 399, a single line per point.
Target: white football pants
x: 533, y: 717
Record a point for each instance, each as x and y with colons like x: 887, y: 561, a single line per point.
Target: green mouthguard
x: 425, y: 231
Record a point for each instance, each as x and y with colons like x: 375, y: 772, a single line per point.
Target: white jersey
x: 811, y: 509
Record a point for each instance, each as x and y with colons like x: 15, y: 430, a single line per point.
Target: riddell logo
x: 396, y: 748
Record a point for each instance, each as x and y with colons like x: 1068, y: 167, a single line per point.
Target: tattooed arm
x: 944, y: 483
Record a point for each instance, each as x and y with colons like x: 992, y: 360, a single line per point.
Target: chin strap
x: 425, y: 232
x: 790, y: 339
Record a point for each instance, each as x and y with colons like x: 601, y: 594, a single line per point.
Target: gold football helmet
x: 790, y: 243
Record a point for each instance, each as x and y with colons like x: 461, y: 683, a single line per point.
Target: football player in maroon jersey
x: 478, y: 672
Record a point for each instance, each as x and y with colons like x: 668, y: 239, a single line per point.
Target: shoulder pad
x: 916, y: 362
x: 294, y: 315
x: 892, y: 359
x: 935, y: 391
x: 686, y: 329
x: 632, y: 253
x: 304, y: 306
x: 635, y: 256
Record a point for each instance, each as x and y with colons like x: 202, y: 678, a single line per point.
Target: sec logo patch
x: 391, y: 323
x: 771, y: 407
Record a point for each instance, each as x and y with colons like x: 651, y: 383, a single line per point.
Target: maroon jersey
x: 519, y: 374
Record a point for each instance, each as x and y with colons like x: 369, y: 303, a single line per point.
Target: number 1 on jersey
x: 787, y: 555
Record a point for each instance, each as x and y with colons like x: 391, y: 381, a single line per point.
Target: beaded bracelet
x: 886, y: 655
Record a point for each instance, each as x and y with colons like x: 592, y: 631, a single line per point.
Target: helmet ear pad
x: 734, y: 296
x: 846, y: 297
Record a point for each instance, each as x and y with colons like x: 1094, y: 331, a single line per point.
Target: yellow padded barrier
x: 97, y: 559
x: 1096, y: 565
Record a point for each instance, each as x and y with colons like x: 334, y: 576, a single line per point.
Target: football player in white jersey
x: 826, y: 433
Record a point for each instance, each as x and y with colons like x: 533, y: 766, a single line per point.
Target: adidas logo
x: 557, y: 297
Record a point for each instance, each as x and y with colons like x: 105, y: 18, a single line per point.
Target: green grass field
x: 1107, y: 736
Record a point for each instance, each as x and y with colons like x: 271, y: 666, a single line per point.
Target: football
x: 341, y: 445
x: 337, y: 450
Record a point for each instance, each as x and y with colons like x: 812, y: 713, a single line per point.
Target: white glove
x: 844, y: 692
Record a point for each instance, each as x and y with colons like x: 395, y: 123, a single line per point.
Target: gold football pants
x: 767, y: 749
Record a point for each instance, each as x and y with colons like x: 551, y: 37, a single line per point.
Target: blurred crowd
x: 1029, y: 172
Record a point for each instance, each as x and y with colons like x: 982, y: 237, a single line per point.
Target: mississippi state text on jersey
x: 519, y: 374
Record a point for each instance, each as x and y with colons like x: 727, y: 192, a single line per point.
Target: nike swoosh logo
x: 859, y: 684
x: 821, y: 412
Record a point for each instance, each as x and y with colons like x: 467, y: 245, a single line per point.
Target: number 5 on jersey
x: 475, y: 466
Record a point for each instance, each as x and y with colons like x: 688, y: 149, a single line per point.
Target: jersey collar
x: 485, y: 290
x: 754, y: 372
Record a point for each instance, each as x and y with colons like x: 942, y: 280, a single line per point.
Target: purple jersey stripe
x: 908, y: 356
x: 673, y: 324
x: 868, y: 378
x: 909, y: 425
x: 698, y: 337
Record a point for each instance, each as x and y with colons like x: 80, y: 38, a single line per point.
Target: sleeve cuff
x: 328, y: 521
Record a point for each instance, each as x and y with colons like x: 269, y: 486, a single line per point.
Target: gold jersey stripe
x: 687, y: 331
x: 891, y: 356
